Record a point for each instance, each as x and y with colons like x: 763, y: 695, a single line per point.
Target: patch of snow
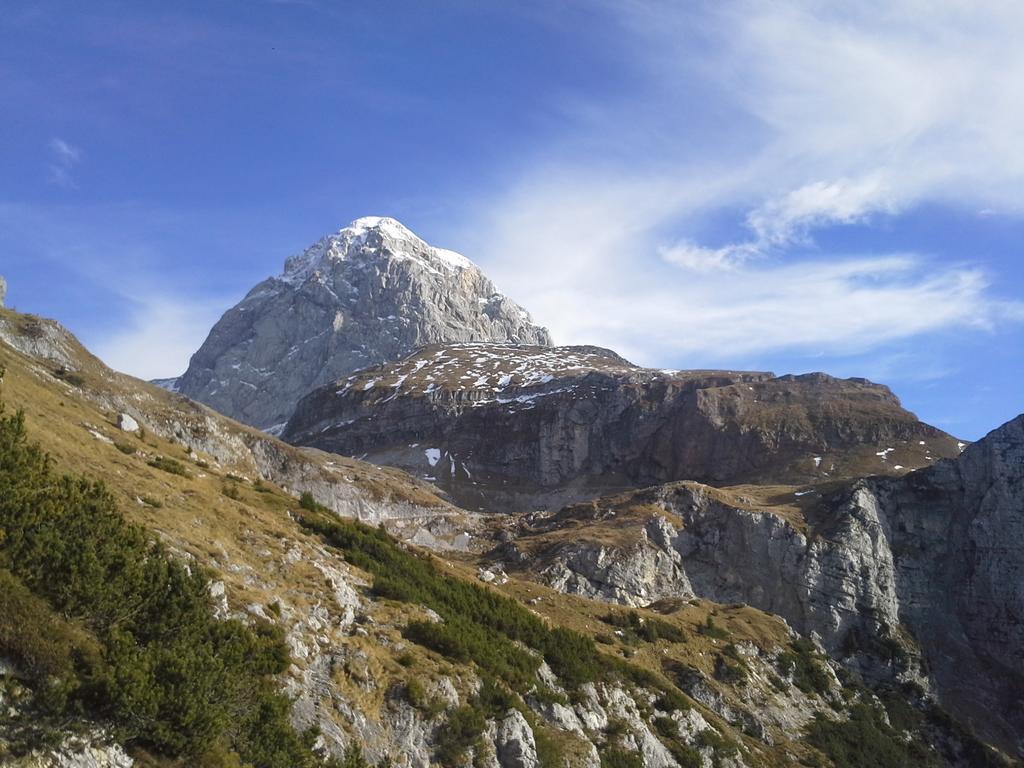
x: 452, y: 259
x: 171, y: 385
x: 433, y: 456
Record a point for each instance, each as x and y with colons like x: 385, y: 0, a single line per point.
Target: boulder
x: 514, y: 744
x: 126, y: 423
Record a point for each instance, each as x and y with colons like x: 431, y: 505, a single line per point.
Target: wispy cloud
x: 796, y: 116
x: 113, y: 271
x: 160, y: 336
x: 63, y: 159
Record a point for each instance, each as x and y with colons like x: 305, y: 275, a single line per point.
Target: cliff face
x: 879, y: 569
x: 369, y: 293
x: 505, y: 426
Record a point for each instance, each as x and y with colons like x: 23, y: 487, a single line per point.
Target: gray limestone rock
x: 938, y: 552
x: 514, y: 427
x: 514, y: 744
x: 3, y: 291
x: 127, y: 423
x: 371, y: 292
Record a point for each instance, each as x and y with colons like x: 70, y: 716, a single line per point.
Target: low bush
x: 710, y: 629
x: 71, y: 377
x: 635, y: 628
x: 462, y: 731
x: 127, y: 631
x: 865, y: 741
x: 171, y: 466
x: 805, y: 666
x: 614, y: 757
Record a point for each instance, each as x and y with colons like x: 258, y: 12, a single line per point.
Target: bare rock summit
x: 370, y: 293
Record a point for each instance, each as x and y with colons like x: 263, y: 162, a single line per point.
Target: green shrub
x: 721, y: 746
x: 480, y: 625
x: 730, y: 672
x: 260, y: 487
x: 71, y: 377
x: 865, y: 741
x: 635, y: 628
x: 171, y: 466
x: 416, y: 695
x: 45, y: 648
x: 504, y: 639
x: 126, y: 448
x: 461, y: 732
x: 710, y: 629
x: 614, y: 757
x: 353, y: 759
x: 150, y: 660
x: 406, y: 660
x: 805, y: 666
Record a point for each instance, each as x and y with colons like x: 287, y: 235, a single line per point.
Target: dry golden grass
x: 265, y: 559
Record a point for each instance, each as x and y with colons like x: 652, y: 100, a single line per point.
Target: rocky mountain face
x: 369, y: 293
x: 556, y: 681
x: 915, y: 578
x: 3, y: 291
x: 520, y: 427
x: 481, y: 657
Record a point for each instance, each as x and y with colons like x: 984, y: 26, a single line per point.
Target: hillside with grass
x: 174, y: 595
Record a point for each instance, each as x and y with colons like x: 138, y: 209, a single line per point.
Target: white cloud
x: 689, y: 255
x: 160, y: 336
x: 781, y: 221
x: 817, y: 115
x: 875, y: 107
x: 64, y: 157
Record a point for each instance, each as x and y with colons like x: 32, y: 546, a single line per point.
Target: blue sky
x: 785, y: 186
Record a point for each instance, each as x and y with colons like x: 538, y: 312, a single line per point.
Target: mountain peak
x: 371, y: 238
x: 370, y: 293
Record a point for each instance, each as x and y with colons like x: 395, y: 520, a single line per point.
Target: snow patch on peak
x: 384, y: 224
x: 352, y: 241
x: 453, y: 259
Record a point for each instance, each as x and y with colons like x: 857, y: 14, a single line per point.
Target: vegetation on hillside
x: 504, y: 639
x: 104, y: 623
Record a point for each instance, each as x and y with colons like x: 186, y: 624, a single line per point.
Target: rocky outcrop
x: 938, y: 553
x: 643, y: 573
x: 514, y: 743
x: 3, y: 291
x: 507, y: 426
x: 371, y: 292
x: 351, y: 489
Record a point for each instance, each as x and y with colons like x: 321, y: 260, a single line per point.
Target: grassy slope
x: 264, y: 557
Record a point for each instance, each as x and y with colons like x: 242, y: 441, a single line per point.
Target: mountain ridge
x: 370, y: 292
x: 518, y: 427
